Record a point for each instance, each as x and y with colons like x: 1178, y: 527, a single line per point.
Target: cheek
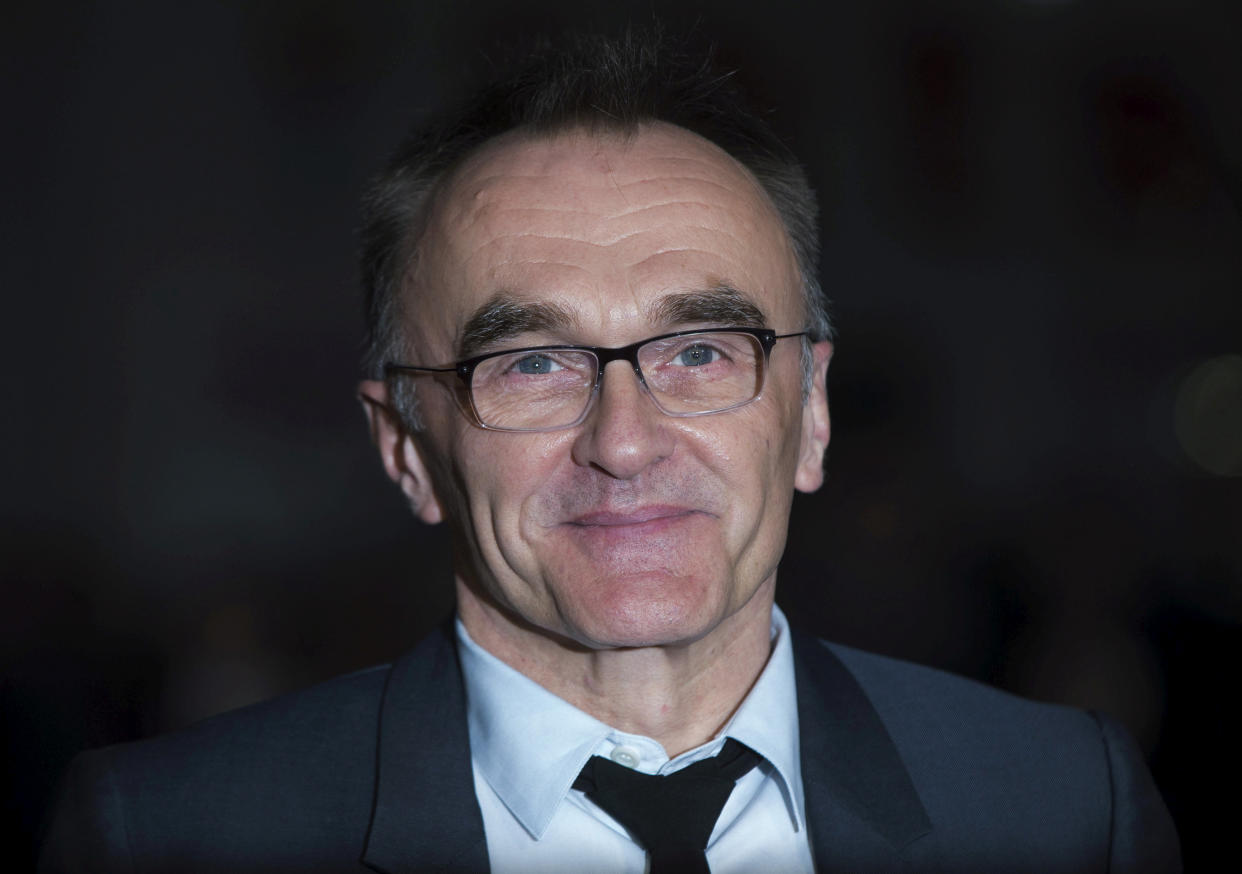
x: 785, y: 422
x: 756, y: 451
x: 739, y: 457
x: 499, y: 477
x: 760, y: 459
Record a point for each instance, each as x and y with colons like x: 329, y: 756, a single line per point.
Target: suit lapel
x: 426, y: 817
x: 862, y: 808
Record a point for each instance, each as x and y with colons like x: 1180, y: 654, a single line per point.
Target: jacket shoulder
x: 947, y: 724
x: 270, y: 736
x: 295, y: 771
x: 894, y: 685
x: 989, y: 765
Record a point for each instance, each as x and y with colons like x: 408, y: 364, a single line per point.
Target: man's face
x: 633, y: 528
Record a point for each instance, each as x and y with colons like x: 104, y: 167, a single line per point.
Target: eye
x: 697, y: 355
x: 536, y: 364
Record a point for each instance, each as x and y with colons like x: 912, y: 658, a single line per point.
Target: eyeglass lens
x: 551, y: 388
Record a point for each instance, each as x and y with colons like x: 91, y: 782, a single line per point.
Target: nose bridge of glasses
x: 624, y: 353
x: 630, y: 354
x: 605, y: 357
x: 608, y: 356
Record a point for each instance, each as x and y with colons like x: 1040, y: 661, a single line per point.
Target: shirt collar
x: 530, y: 745
x: 767, y: 720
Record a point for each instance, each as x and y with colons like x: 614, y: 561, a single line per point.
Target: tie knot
x: 671, y: 816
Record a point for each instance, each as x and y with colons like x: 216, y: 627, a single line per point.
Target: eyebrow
x: 721, y: 305
x: 504, y: 316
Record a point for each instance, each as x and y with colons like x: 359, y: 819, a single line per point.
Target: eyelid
x: 509, y: 344
x: 556, y: 354
x: 722, y: 338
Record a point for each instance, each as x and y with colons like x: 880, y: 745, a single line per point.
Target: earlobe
x: 816, y: 425
x: 399, y: 452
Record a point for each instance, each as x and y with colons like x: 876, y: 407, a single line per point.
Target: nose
x: 625, y: 433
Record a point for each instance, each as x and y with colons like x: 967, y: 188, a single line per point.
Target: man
x: 599, y: 357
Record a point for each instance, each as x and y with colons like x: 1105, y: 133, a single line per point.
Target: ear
x: 400, y: 453
x: 816, y: 428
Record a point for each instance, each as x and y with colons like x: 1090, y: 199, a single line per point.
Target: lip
x: 654, y: 513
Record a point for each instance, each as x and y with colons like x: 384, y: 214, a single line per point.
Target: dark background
x: 1032, y: 238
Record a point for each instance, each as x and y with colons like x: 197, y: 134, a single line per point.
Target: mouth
x: 643, y: 539
x: 650, y: 517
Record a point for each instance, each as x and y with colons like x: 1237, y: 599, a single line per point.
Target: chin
x: 647, y: 610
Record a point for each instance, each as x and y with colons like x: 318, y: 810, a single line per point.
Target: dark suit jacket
x: 905, y: 769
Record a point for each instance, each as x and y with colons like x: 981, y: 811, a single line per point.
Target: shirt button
x: 627, y: 756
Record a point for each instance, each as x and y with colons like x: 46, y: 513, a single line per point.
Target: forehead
x: 603, y: 226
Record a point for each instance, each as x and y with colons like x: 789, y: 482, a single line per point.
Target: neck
x: 680, y: 694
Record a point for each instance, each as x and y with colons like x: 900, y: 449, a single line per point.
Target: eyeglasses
x: 548, y: 388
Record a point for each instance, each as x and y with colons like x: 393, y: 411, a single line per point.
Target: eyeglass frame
x: 604, y: 355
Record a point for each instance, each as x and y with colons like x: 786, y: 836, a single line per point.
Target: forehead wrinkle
x: 697, y: 205
x: 601, y: 242
x: 698, y: 181
x: 540, y: 235
x: 695, y: 246
x: 529, y: 211
x: 595, y: 239
x: 504, y: 252
x: 492, y: 218
x: 705, y: 231
x: 710, y: 177
x: 565, y: 220
x: 538, y: 196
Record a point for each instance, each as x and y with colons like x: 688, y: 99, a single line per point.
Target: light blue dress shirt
x: 528, y: 746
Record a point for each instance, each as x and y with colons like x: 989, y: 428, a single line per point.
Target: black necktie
x: 672, y: 816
